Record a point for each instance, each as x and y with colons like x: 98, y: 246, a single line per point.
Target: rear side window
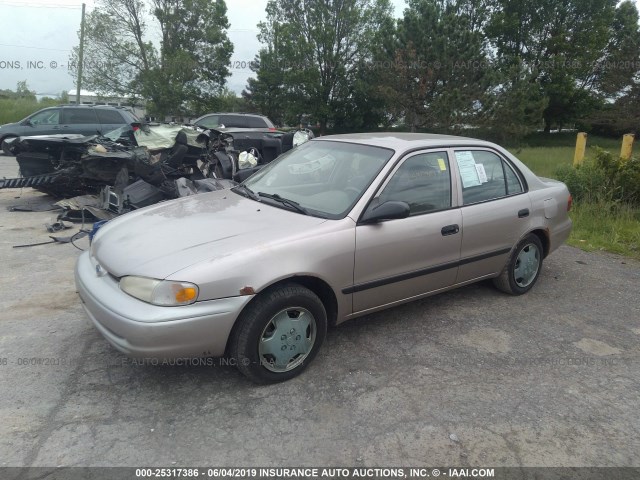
x: 256, y: 122
x: 77, y: 116
x: 423, y: 181
x: 485, y: 176
x: 109, y: 116
x: 210, y: 121
x: 234, y: 121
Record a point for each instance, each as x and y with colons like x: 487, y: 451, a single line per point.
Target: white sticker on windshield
x: 468, y: 171
x: 482, y: 174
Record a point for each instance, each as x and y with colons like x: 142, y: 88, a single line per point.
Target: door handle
x: 450, y: 230
x: 523, y: 213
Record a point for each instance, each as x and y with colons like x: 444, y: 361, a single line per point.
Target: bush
x: 15, y: 109
x: 604, y: 179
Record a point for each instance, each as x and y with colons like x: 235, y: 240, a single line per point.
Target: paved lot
x: 468, y: 378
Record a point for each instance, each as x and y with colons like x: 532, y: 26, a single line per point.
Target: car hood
x: 163, y: 239
x: 6, y: 125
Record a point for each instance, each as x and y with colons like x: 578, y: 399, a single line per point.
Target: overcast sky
x: 37, y: 36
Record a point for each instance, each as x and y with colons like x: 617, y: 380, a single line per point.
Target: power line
x: 35, y: 48
x: 39, y: 5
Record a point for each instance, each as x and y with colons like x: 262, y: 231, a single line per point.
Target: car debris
x: 104, y: 176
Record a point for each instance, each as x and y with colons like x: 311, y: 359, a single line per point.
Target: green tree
x: 441, y: 77
x: 314, y: 49
x: 22, y: 91
x: 186, y: 65
x: 560, y: 46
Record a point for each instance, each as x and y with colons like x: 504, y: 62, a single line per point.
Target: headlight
x: 160, y: 292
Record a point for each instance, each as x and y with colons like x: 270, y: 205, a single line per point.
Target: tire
x: 278, y: 334
x: 5, y: 147
x: 523, y: 269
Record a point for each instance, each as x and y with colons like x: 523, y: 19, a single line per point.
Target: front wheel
x: 523, y: 269
x: 279, y: 334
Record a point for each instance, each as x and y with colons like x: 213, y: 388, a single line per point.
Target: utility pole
x: 80, y: 58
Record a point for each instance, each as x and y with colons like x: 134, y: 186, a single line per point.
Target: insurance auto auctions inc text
x: 375, y: 472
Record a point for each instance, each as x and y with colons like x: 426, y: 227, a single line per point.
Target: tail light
x: 569, y: 203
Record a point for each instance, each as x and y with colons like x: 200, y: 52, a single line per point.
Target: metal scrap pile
x: 126, y: 170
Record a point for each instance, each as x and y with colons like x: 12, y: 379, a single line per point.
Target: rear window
x: 109, y: 116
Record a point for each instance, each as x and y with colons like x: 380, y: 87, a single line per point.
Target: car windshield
x: 323, y: 178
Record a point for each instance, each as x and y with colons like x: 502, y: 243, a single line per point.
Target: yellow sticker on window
x: 443, y: 166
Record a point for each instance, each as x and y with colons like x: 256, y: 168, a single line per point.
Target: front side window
x: 485, y: 176
x: 422, y: 181
x: 47, y: 117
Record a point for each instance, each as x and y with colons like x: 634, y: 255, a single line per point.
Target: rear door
x: 80, y: 120
x: 397, y: 260
x: 495, y: 211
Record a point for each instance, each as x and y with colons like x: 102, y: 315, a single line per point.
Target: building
x: 90, y: 98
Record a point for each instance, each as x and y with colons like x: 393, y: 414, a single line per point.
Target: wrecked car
x: 337, y: 228
x: 69, y: 120
x: 128, y: 169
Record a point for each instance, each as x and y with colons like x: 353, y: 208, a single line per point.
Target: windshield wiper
x: 285, y: 201
x: 249, y: 193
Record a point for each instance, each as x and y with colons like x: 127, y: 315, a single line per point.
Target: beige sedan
x: 340, y: 227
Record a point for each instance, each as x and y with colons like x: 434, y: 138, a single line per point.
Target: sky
x: 37, y: 36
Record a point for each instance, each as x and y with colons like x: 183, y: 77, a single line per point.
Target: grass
x: 15, y: 109
x: 597, y: 225
x: 606, y: 226
x: 544, y: 154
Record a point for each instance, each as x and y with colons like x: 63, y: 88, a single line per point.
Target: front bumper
x: 143, y: 330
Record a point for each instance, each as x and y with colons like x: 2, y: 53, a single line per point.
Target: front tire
x: 279, y: 334
x: 523, y: 269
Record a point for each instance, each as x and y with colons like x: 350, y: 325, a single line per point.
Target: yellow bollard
x: 581, y: 147
x: 627, y: 147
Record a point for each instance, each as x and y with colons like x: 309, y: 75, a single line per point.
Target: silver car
x: 339, y: 227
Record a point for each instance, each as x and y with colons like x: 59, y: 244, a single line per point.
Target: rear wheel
x: 523, y: 269
x: 279, y: 334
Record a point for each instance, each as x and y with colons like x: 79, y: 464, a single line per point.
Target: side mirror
x: 28, y: 123
x: 386, y: 211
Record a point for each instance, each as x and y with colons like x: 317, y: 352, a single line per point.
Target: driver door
x: 45, y: 122
x: 398, y: 260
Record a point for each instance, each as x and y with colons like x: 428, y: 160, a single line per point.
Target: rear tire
x: 278, y: 334
x: 523, y: 269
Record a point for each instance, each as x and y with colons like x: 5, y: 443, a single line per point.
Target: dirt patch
x: 596, y: 347
x: 488, y: 340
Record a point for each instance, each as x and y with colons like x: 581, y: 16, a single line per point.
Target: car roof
x: 405, y: 141
x: 240, y: 114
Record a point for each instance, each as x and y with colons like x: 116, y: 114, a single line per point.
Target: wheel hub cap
x: 287, y: 339
x: 527, y: 265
